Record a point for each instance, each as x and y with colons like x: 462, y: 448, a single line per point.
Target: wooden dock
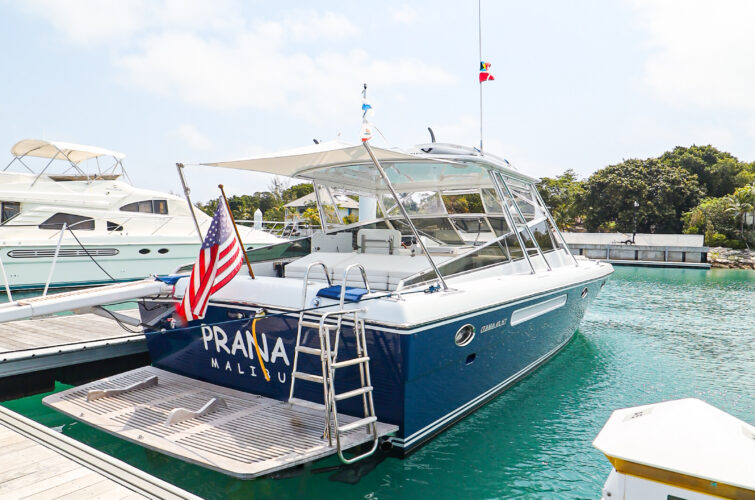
x: 36, y: 352
x: 39, y: 463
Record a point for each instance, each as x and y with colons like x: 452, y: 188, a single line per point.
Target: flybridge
x: 73, y: 154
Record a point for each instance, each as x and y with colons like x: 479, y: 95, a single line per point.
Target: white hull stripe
x: 428, y: 429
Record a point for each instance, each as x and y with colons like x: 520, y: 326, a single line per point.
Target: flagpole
x: 233, y: 221
x: 479, y: 32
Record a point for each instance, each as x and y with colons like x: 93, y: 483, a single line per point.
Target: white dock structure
x: 36, y: 352
x: 651, y: 250
x: 39, y: 463
x: 40, y: 344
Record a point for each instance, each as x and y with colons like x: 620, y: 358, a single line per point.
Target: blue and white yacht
x: 454, y: 284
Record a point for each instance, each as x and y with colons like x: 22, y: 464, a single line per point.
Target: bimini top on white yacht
x: 131, y: 232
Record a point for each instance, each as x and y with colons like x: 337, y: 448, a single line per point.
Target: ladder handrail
x: 345, y: 278
x: 305, y: 285
x: 305, y: 288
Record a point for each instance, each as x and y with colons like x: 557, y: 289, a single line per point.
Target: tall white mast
x: 479, y: 32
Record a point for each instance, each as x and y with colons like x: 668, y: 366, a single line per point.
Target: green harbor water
x: 651, y: 335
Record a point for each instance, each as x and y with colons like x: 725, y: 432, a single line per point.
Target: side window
x: 131, y: 207
x: 437, y: 228
x: 160, y: 206
x: 10, y: 209
x: 76, y: 222
x: 147, y: 207
x: 113, y: 226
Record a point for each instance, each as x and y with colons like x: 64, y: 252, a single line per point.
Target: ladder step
x: 355, y: 392
x: 309, y: 324
x: 356, y: 424
x: 309, y: 376
x: 349, y: 362
x: 309, y: 350
x: 307, y: 404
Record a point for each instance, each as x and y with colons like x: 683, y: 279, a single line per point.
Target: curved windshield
x: 467, y: 216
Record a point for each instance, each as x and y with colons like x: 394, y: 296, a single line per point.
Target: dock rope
x: 122, y: 324
x: 257, y: 345
x: 88, y: 254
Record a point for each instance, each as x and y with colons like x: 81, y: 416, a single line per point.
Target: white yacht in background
x: 113, y: 230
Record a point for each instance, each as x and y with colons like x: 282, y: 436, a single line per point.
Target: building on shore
x: 346, y: 206
x: 673, y: 250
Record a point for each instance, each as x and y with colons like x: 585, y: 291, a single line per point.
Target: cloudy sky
x: 579, y: 84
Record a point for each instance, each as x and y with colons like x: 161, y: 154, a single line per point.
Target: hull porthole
x: 464, y: 335
x: 584, y: 292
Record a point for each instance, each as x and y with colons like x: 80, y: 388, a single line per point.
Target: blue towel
x: 353, y: 294
x: 170, y: 279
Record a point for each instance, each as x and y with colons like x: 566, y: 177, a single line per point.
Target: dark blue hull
x: 423, y: 382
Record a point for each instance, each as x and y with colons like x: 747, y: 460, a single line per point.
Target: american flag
x: 219, y: 260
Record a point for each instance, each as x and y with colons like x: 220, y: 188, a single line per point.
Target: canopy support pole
x: 335, y: 205
x: 510, y: 219
x: 539, y: 199
x: 179, y: 167
x: 320, y: 208
x: 405, y: 214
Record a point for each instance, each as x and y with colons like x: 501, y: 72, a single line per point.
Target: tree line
x: 694, y: 190
x: 269, y: 202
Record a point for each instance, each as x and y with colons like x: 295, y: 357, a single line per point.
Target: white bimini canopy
x: 75, y: 153
x: 291, y: 162
x: 300, y: 162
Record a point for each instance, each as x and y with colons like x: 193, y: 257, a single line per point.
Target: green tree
x: 719, y: 172
x: 740, y: 203
x: 663, y: 192
x: 297, y: 191
x: 312, y: 216
x: 269, y: 202
x: 277, y: 187
x: 563, y: 196
x: 712, y: 218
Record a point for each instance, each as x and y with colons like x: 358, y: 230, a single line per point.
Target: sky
x: 579, y: 84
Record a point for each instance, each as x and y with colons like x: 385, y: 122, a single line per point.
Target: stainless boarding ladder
x: 329, y: 361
